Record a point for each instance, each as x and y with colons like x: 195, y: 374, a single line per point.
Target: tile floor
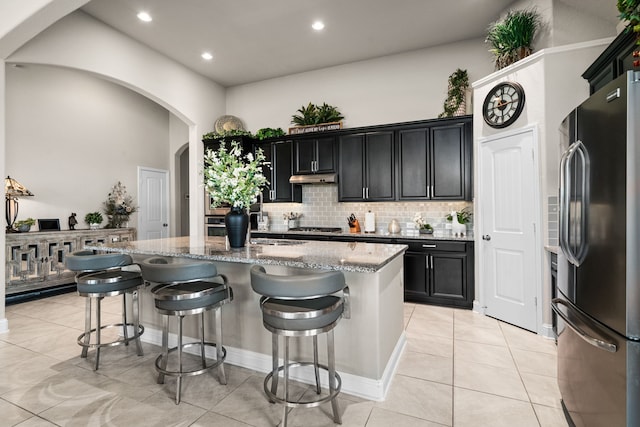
x: 458, y: 369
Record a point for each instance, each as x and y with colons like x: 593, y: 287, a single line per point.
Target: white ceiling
x: 253, y: 40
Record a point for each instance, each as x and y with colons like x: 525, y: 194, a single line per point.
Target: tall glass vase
x: 236, y: 223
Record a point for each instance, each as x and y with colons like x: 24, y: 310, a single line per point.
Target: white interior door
x: 508, y: 202
x: 153, y: 195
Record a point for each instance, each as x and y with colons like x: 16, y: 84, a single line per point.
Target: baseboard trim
x: 366, y: 388
x: 547, y: 331
x: 4, y: 325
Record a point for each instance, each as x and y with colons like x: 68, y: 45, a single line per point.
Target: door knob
x: 165, y: 225
x: 486, y: 237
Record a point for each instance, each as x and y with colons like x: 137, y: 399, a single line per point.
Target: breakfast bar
x: 368, y: 345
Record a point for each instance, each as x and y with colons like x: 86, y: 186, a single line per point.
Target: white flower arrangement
x: 118, y: 206
x: 288, y: 216
x: 233, y: 177
x: 420, y: 222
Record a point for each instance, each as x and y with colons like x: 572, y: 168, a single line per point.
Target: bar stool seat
x: 99, y: 276
x: 184, y: 287
x: 302, y: 305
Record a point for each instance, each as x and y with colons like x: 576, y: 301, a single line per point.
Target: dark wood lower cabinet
x: 439, y: 272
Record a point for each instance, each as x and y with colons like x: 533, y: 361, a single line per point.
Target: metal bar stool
x: 183, y: 287
x: 99, y: 276
x: 302, y: 305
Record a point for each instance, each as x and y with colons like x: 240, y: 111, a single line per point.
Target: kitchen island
x: 368, y: 345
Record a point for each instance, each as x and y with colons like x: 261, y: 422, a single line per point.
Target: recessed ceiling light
x: 207, y: 56
x: 144, y: 16
x: 318, y: 25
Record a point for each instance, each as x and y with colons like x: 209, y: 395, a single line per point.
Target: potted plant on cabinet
x: 24, y: 225
x: 313, y: 118
x: 456, y: 105
x: 511, y: 39
x: 93, y: 219
x: 630, y: 11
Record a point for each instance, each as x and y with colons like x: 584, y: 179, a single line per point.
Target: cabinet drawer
x: 435, y: 245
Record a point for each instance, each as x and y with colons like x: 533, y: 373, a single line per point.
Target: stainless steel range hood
x: 318, y: 178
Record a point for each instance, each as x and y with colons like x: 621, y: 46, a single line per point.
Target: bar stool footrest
x: 306, y: 403
x: 195, y: 371
x: 119, y: 341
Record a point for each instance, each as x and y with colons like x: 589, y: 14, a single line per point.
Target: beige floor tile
x: 550, y: 417
x: 352, y: 414
x: 466, y: 332
x: 433, y: 313
x: 11, y: 414
x: 88, y: 410
x: 35, y: 422
x: 418, y: 326
x: 211, y: 419
x: 383, y: 418
x: 249, y: 404
x: 420, y: 399
x: 205, y: 391
x: 474, y: 409
x: 487, y: 354
x: 525, y: 340
x: 427, y: 367
x: 50, y: 392
x: 158, y: 410
x: 25, y: 328
x: 534, y: 362
x: 489, y: 379
x: 430, y: 344
x: 471, y: 318
x: 542, y: 390
x: 29, y: 371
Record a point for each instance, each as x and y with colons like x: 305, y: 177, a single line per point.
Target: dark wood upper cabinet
x: 314, y: 155
x: 614, y: 61
x: 434, y: 162
x: 279, y: 154
x: 366, y: 171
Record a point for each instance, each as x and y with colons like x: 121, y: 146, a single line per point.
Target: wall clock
x: 503, y: 104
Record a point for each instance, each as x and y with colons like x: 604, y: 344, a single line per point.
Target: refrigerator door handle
x: 565, y: 197
x: 577, y: 148
x: 600, y: 342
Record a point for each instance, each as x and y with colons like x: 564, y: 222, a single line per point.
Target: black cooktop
x: 318, y: 229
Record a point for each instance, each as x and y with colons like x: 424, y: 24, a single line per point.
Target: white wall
x: 395, y: 88
x: 71, y: 136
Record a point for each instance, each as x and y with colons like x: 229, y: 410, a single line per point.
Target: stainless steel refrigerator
x: 598, y: 305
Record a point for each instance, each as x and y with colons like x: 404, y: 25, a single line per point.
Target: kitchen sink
x: 276, y: 242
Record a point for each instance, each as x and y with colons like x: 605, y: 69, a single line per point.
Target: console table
x: 35, y: 260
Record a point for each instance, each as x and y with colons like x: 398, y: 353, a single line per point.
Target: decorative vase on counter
x: 292, y: 223
x: 236, y: 222
x: 456, y: 227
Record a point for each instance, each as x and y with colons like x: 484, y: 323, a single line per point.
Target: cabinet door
x: 448, y: 277
x: 304, y: 154
x: 448, y: 162
x: 413, y: 149
x: 326, y: 155
x: 415, y: 278
x: 267, y: 168
x: 380, y: 183
x: 282, y: 167
x: 351, y: 172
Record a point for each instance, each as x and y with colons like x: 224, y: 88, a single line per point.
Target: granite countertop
x: 344, y: 256
x: 438, y: 235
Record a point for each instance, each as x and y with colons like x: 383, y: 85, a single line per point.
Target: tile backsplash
x: 321, y: 208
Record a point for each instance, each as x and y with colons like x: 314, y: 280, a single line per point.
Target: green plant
x: 464, y: 216
x: 228, y: 133
x: 630, y: 11
x: 265, y: 133
x: 28, y: 221
x: 313, y: 115
x: 93, y: 218
x: 511, y: 38
x: 233, y: 177
x: 457, y: 87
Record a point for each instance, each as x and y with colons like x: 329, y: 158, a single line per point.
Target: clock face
x: 503, y: 104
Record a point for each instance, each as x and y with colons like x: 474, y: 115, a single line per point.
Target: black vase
x: 236, y: 223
